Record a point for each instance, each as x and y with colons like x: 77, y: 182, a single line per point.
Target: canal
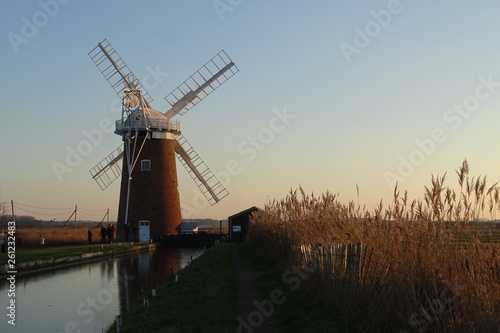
x: 89, y: 296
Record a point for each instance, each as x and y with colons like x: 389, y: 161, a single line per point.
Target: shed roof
x: 244, y: 212
x: 189, y: 225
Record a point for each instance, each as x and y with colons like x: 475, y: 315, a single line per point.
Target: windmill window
x: 145, y: 165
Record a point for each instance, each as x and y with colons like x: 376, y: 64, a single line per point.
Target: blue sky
x: 330, y: 95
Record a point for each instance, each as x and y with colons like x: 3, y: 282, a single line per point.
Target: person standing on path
x: 110, y: 235
x: 103, y: 234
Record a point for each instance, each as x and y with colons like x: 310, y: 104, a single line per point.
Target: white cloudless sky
x: 361, y: 88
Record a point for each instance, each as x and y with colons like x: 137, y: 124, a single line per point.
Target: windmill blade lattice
x: 115, y: 71
x: 202, y: 83
x: 149, y: 189
x: 209, y: 185
x: 106, y: 171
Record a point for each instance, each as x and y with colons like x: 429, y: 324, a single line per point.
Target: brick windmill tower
x: 151, y: 140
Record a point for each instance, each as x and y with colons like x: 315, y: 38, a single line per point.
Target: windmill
x: 151, y: 139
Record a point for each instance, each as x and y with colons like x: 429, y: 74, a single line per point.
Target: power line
x: 32, y: 212
x: 92, y: 210
x: 89, y: 214
x: 20, y: 204
x: 46, y: 211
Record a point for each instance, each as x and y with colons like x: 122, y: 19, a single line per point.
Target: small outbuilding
x: 238, y: 224
x: 189, y: 227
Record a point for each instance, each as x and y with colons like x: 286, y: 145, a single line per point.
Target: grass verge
x: 30, y: 254
x: 201, y: 301
x: 301, y: 311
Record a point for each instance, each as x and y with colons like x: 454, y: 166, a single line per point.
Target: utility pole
x: 69, y: 219
x: 13, y: 215
x: 106, y: 216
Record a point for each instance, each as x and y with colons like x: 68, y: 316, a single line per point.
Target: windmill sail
x: 209, y: 185
x: 202, y: 83
x: 115, y: 71
x: 138, y: 115
x: 106, y: 171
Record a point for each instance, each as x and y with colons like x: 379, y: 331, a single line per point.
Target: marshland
x: 419, y: 265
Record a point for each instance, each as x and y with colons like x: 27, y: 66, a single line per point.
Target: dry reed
x: 55, y: 236
x: 422, y: 265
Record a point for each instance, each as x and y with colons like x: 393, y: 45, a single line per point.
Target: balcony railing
x: 163, y: 125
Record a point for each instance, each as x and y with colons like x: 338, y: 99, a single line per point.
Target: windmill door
x: 144, y: 231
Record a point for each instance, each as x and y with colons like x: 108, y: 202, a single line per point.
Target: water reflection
x: 142, y: 274
x: 88, y: 297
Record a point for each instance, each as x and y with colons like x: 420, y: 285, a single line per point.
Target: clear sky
x: 330, y: 95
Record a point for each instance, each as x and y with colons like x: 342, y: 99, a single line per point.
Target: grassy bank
x: 301, y: 311
x: 201, y: 301
x: 24, y: 255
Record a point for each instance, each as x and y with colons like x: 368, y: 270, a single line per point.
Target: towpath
x: 250, y: 318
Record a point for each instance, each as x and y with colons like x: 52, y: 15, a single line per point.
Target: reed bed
x: 55, y: 236
x: 414, y: 266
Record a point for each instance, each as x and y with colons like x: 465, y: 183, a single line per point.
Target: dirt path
x: 252, y: 315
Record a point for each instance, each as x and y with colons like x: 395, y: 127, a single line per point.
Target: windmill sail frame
x: 135, y: 98
x: 202, y: 83
x: 108, y: 169
x: 109, y: 63
x: 210, y: 186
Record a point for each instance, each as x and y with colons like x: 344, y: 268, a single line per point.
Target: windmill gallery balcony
x: 148, y: 124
